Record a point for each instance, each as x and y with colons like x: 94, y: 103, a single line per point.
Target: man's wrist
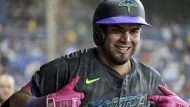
x: 36, y: 102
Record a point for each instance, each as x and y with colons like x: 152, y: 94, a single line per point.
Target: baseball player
x: 103, y: 76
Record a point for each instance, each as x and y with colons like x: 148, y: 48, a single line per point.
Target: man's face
x: 6, y: 88
x: 121, y: 41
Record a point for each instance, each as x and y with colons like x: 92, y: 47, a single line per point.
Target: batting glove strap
x: 70, y: 102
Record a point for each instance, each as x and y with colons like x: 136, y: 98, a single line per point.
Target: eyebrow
x: 137, y: 28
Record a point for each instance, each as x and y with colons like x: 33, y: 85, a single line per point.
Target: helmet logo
x: 128, y: 3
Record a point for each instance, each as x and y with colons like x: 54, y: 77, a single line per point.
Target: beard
x: 116, y: 59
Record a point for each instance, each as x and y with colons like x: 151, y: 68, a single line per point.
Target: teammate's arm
x: 20, y: 98
x: 65, y: 97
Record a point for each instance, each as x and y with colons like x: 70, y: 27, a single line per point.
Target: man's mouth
x: 123, y: 50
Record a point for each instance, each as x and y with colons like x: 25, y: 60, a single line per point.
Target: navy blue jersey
x: 101, y: 85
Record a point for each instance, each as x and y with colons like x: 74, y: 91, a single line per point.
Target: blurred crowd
x: 23, y: 41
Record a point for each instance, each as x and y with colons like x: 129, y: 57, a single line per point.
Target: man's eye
x: 116, y: 30
x: 134, y: 32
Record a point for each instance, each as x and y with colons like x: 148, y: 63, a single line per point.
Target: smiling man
x: 103, y: 76
x: 121, y: 42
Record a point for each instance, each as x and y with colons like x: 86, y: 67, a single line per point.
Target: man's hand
x: 170, y: 100
x: 66, y: 97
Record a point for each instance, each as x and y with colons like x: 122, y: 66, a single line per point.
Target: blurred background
x: 33, y: 32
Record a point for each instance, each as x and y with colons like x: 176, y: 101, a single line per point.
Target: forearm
x: 25, y: 100
x: 19, y: 99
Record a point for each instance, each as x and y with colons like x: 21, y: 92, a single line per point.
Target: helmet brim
x: 123, y: 20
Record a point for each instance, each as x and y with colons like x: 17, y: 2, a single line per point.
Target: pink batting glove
x: 66, y: 97
x: 170, y: 100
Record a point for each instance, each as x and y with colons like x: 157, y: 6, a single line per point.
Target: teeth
x: 123, y: 48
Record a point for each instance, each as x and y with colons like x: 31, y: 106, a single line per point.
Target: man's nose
x: 126, y: 37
